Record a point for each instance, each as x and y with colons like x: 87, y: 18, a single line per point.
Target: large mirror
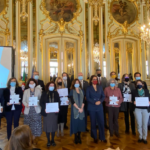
x: 116, y: 54
x: 129, y: 47
x: 53, y: 61
x: 70, y: 58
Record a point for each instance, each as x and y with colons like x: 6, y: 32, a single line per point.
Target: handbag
x: 123, y: 107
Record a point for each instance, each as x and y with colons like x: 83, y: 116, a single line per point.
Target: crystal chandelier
x: 96, y: 53
x: 145, y: 33
x: 95, y: 4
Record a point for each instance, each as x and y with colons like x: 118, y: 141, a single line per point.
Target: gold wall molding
x: 124, y: 29
x: 61, y: 23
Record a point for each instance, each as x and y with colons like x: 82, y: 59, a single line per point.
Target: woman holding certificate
x: 50, y: 103
x: 61, y: 116
x: 95, y: 97
x: 113, y: 100
x: 141, y: 98
x: 77, y: 124
x: 12, y: 105
x: 126, y: 87
x: 32, y: 116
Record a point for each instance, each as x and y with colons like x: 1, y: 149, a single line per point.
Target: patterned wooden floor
x: 125, y: 142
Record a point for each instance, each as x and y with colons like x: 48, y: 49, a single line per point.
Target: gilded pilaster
x: 18, y: 42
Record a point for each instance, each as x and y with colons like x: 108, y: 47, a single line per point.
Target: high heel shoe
x: 48, y: 144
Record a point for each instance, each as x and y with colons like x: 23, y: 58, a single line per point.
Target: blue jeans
x: 142, y: 117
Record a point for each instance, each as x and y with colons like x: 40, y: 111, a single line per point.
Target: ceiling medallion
x: 61, y: 12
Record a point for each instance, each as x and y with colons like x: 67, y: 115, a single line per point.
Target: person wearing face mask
x: 50, y: 120
x: 113, y: 109
x: 32, y: 115
x: 77, y: 124
x: 126, y: 87
x: 95, y: 97
x: 141, y: 113
x: 84, y: 85
x: 113, y: 76
x: 61, y: 116
x: 39, y: 82
x: 137, y: 76
x: 103, y: 82
x: 67, y: 84
x: 12, y: 111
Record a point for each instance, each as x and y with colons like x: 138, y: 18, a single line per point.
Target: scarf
x: 126, y: 89
x: 141, y: 93
x: 51, y: 100
x: 78, y: 98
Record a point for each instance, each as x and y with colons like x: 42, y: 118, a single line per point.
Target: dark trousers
x: 86, y: 113
x: 113, y: 113
x: 126, y: 115
x: 104, y: 110
x: 65, y: 112
x: 14, y: 114
x: 99, y: 117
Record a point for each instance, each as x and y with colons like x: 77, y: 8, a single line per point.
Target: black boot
x: 76, y: 139
x: 79, y: 137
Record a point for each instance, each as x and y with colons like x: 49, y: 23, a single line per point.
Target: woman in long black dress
x: 61, y: 116
x: 50, y: 120
x: 77, y: 111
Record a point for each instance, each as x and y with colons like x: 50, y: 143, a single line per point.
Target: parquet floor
x: 125, y: 142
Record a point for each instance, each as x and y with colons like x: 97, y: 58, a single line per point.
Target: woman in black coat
x: 126, y: 87
x: 50, y: 120
x: 12, y: 110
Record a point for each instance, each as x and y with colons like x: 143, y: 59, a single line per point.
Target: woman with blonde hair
x: 21, y: 139
x: 61, y: 116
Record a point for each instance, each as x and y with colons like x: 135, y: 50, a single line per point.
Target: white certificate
x: 127, y: 97
x: 33, y: 101
x: 63, y: 92
x: 52, y: 107
x: 1, y: 108
x: 113, y: 100
x: 142, y: 101
x: 14, y: 99
x: 64, y: 101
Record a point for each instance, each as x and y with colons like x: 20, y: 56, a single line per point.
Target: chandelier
x: 96, y: 53
x: 145, y: 33
x: 95, y: 4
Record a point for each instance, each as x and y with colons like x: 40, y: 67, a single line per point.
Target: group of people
x: 93, y: 98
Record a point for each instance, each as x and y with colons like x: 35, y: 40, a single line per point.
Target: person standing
x: 12, y: 111
x: 61, y: 116
x: 39, y: 82
x: 137, y: 76
x: 84, y: 85
x: 113, y: 75
x: 113, y: 110
x: 126, y: 87
x: 95, y: 97
x: 32, y: 116
x: 1, y: 102
x: 77, y: 111
x: 50, y: 120
x: 103, y: 82
x: 141, y: 113
x: 67, y: 84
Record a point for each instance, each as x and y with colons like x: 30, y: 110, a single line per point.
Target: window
x: 53, y: 68
x: 104, y: 68
x: 147, y: 68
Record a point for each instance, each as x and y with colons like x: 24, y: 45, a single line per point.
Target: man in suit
x: 137, y: 76
x: 103, y: 82
x: 39, y: 82
x: 84, y: 87
x: 67, y: 84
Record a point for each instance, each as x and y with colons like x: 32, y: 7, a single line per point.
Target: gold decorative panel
x: 61, y: 12
x: 2, y: 6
